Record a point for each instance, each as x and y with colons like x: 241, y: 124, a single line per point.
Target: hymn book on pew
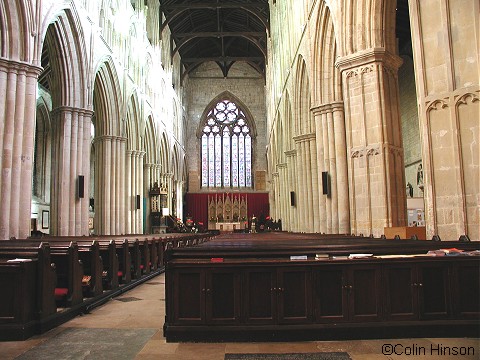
x: 19, y: 260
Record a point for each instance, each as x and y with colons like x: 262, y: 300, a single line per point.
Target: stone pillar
x: 320, y: 141
x: 276, y: 195
x: 147, y: 185
x: 136, y: 187
x: 448, y: 91
x: 331, y: 157
x: 139, y: 188
x: 314, y: 183
x: 110, y: 184
x: 129, y: 194
x: 289, y: 223
x: 18, y: 83
x: 70, y: 158
x: 374, y: 140
x: 300, y: 193
x: 340, y: 184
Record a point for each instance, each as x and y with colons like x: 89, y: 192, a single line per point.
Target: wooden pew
x: 89, y: 254
x: 109, y: 256
x: 18, y: 302
x: 45, y: 272
x: 69, y: 268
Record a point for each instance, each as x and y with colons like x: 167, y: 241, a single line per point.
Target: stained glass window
x: 226, y: 144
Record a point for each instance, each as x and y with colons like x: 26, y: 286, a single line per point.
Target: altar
x: 227, y: 226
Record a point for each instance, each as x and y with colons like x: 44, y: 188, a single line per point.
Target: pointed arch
x: 133, y: 127
x: 368, y: 24
x: 327, y: 84
x: 150, y: 142
x: 289, y: 123
x: 107, y: 100
x: 66, y: 69
x: 16, y: 25
x: 164, y: 153
x: 42, y: 151
x: 303, y: 118
x: 228, y: 96
x: 226, y: 134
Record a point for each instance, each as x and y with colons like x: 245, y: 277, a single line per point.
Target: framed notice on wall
x: 45, y: 219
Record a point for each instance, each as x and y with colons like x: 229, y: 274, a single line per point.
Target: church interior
x: 221, y: 177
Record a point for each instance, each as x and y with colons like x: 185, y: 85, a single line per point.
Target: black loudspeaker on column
x: 325, y: 183
x: 292, y: 198
x: 81, y: 186
x: 138, y: 202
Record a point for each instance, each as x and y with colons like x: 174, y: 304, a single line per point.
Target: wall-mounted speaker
x: 137, y: 202
x: 325, y: 183
x: 81, y: 186
x: 292, y: 198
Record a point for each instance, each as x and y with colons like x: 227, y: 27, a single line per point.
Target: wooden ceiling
x: 223, y: 31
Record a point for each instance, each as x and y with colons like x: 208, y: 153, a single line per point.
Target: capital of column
x: 275, y: 175
x: 327, y: 108
x: 281, y: 166
x: 304, y: 137
x: 290, y: 153
x: 137, y: 153
x: 103, y: 138
x: 72, y: 110
x: 369, y: 56
x: 18, y: 67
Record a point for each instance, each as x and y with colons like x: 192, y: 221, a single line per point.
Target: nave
x: 127, y: 313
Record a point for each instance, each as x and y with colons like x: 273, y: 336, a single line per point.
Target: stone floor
x: 144, y: 308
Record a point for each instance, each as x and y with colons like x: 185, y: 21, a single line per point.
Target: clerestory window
x: 226, y: 142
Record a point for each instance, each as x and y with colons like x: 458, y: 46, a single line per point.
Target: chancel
x: 242, y: 170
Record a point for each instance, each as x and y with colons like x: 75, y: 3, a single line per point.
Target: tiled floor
x: 144, y: 307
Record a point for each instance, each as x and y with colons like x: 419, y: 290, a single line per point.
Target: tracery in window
x: 226, y: 147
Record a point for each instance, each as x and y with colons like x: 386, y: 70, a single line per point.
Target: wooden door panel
x: 328, y: 296
x: 466, y: 288
x: 222, y: 297
x: 364, y: 293
x: 189, y: 297
x: 400, y: 293
x: 294, y: 296
x: 432, y: 289
x: 260, y: 291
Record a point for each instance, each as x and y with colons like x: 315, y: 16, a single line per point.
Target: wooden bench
x: 255, y: 291
x: 18, y: 302
x: 69, y: 268
x: 45, y: 278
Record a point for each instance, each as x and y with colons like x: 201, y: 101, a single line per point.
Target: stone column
x: 374, y: 141
x: 70, y: 158
x: 308, y: 187
x: 129, y: 194
x: 315, y: 189
x: 18, y: 83
x: 300, y: 193
x: 139, y: 187
x: 147, y: 185
x: 290, y: 223
x: 110, y: 185
x: 331, y: 148
x: 320, y: 141
x: 340, y: 185
x: 448, y: 92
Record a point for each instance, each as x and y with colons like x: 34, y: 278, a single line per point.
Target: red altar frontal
x: 225, y: 211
